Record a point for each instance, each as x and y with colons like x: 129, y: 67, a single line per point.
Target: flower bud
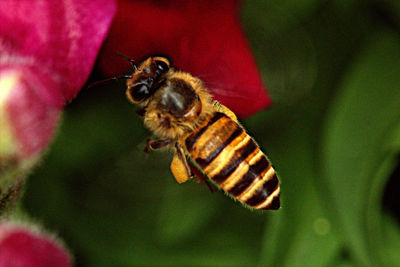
x: 27, y: 117
x: 27, y: 247
x: 29, y: 111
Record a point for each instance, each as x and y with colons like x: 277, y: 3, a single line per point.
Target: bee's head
x: 146, y: 78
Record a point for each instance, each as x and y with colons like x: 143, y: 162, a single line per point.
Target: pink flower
x: 27, y: 247
x: 47, y: 51
x: 203, y: 38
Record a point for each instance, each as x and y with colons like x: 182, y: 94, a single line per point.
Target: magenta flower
x: 203, y: 38
x: 47, y: 50
x: 27, y: 247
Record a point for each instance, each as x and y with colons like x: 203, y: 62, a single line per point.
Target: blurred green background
x: 333, y: 134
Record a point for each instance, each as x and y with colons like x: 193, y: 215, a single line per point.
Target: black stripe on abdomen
x: 191, y: 140
x: 205, y: 162
x: 255, y: 170
x: 274, y: 205
x: 264, y: 191
x: 240, y: 155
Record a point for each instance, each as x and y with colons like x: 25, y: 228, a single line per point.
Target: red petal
x: 22, y: 247
x: 201, y: 37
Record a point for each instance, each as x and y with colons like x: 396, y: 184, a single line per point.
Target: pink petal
x: 60, y: 38
x: 31, y: 112
x: 22, y: 247
x: 50, y: 46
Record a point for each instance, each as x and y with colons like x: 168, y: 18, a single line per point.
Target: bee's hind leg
x: 200, y: 177
x: 156, y: 144
x: 179, y: 165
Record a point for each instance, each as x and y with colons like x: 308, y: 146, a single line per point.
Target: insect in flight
x: 204, y: 134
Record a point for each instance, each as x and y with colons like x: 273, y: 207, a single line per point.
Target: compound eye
x: 139, y: 92
x: 162, y: 66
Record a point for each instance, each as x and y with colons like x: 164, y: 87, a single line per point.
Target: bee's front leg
x: 156, y: 144
x: 141, y: 112
x: 179, y: 165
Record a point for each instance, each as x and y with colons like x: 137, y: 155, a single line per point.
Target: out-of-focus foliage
x: 333, y: 135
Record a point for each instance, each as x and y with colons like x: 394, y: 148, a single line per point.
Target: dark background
x: 333, y: 70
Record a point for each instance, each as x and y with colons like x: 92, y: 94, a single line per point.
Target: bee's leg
x: 200, y: 177
x: 156, y: 144
x: 141, y: 111
x: 223, y: 109
x: 179, y: 165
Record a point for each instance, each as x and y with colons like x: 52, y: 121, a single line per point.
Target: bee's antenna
x: 134, y: 66
x: 110, y: 79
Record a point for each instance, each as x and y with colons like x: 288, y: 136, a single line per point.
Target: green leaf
x: 384, y: 232
x: 381, y: 229
x: 302, y: 224
x: 289, y: 65
x: 359, y: 122
x: 181, y: 215
x: 390, y: 251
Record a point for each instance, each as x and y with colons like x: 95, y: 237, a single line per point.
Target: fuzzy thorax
x: 167, y: 125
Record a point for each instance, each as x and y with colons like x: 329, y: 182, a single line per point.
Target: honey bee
x: 204, y: 134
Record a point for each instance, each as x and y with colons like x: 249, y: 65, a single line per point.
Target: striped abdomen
x: 231, y: 158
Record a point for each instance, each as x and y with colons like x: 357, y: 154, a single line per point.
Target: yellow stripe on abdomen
x: 232, y: 159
